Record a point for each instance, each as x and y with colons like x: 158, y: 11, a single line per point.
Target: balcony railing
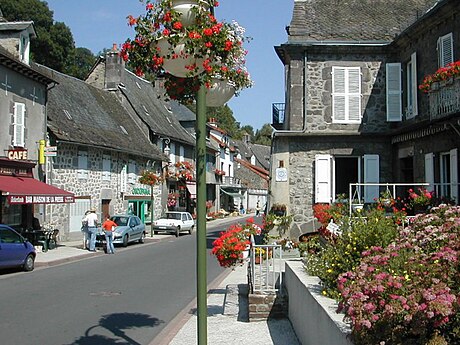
x: 230, y: 181
x: 278, y: 115
x: 445, y: 100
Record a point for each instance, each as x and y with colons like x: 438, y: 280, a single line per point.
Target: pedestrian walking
x: 257, y: 209
x: 91, y: 221
x: 109, y: 226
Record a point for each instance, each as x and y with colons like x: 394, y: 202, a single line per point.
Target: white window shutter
x: 371, y: 175
x: 18, y: 124
x: 429, y: 170
x: 393, y: 92
x: 413, y: 59
x: 446, y: 50
x: 82, y: 172
x: 323, y: 182
x: 172, y: 153
x: 454, y: 174
x: 338, y: 94
x: 354, y: 94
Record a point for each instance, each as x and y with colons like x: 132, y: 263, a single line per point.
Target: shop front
x: 20, y: 193
x: 139, y: 204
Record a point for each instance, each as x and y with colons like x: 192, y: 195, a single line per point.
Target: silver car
x: 174, y: 222
x: 129, y: 229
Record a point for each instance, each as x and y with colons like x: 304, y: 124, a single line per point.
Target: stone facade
x: 63, y: 172
x: 414, y: 149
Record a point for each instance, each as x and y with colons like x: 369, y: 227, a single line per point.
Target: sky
x: 97, y: 24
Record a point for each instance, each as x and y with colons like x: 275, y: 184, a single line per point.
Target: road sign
x: 50, y: 153
x: 50, y: 148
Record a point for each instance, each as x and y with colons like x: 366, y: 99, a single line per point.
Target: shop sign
x: 39, y: 199
x: 17, y: 154
x: 141, y: 191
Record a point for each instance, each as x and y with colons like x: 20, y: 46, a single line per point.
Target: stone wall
x: 267, y: 304
x: 64, y: 174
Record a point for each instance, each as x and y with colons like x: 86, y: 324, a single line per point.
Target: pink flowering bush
x: 408, y: 291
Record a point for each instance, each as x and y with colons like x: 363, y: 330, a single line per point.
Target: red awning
x: 26, y: 190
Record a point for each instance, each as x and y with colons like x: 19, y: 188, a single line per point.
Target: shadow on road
x: 116, y: 324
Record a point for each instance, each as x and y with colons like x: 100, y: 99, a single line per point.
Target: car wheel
x: 29, y: 263
x: 155, y: 232
x: 125, y: 241
x: 177, y: 231
x: 142, y: 239
x: 190, y: 231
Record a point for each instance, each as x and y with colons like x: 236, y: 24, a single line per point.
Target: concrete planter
x: 312, y: 315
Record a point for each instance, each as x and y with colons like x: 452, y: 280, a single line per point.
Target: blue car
x: 15, y: 250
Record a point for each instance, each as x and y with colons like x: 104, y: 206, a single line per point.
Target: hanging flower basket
x: 219, y: 93
x: 177, y: 61
x: 187, y: 10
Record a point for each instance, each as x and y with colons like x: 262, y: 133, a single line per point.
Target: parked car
x: 174, y: 222
x: 15, y: 250
x: 129, y: 229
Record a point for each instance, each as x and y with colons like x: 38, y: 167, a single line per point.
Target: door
x: 77, y: 212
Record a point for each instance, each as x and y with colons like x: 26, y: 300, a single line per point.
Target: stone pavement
x: 227, y: 321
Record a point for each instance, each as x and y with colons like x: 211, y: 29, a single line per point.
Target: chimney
x: 114, y: 69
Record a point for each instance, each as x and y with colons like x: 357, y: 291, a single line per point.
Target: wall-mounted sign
x: 281, y: 175
x: 141, y: 191
x: 17, y: 154
x: 39, y: 199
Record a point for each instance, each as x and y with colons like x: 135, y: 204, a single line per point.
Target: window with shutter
x: 18, y: 124
x: 454, y: 174
x: 82, y: 172
x: 445, y: 50
x: 132, y: 172
x: 346, y: 94
x: 106, y: 167
x: 393, y: 92
x: 412, y: 87
x: 429, y: 170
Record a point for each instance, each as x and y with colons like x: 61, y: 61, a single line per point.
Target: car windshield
x: 173, y: 216
x: 121, y: 221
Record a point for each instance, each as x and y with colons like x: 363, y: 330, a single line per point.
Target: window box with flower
x: 442, y: 75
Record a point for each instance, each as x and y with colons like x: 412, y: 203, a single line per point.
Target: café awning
x: 27, y: 190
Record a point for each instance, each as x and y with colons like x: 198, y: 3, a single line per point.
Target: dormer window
x: 24, y: 48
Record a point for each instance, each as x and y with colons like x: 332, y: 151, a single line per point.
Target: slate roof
x: 155, y: 112
x: 354, y: 20
x: 80, y: 113
x: 260, y: 152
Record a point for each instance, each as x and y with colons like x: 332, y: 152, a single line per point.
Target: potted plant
x: 420, y: 200
x: 232, y: 247
x: 167, y: 43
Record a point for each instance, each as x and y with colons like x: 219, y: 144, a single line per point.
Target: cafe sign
x: 39, y: 199
x: 18, y: 155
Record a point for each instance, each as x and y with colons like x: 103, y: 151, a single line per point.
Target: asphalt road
x: 126, y: 298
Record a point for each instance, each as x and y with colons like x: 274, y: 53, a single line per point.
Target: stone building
x: 353, y: 112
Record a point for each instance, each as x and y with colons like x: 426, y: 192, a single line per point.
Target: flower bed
x: 396, y: 287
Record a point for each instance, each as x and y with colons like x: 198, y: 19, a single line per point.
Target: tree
x: 264, y: 135
x: 54, y: 45
x: 83, y: 61
x: 225, y: 120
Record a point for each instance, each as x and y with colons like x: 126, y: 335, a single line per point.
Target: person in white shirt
x: 92, y: 222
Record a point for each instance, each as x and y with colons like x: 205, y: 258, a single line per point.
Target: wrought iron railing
x: 445, y: 100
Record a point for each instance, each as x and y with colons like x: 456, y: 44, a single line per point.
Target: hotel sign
x: 18, y: 155
x: 39, y: 199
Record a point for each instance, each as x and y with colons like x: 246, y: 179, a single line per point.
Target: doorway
x: 346, y: 171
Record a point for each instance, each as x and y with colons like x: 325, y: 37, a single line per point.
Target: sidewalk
x: 227, y: 321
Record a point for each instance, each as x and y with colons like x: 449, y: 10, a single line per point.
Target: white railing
x: 267, y: 274
x: 446, y: 100
x: 393, y: 190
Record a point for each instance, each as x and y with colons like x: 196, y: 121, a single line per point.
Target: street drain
x: 105, y: 294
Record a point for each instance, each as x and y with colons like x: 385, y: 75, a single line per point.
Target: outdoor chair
x: 53, y: 239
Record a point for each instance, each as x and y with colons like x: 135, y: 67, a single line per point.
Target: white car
x: 174, y: 222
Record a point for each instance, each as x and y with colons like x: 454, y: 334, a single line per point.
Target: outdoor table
x: 38, y: 237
